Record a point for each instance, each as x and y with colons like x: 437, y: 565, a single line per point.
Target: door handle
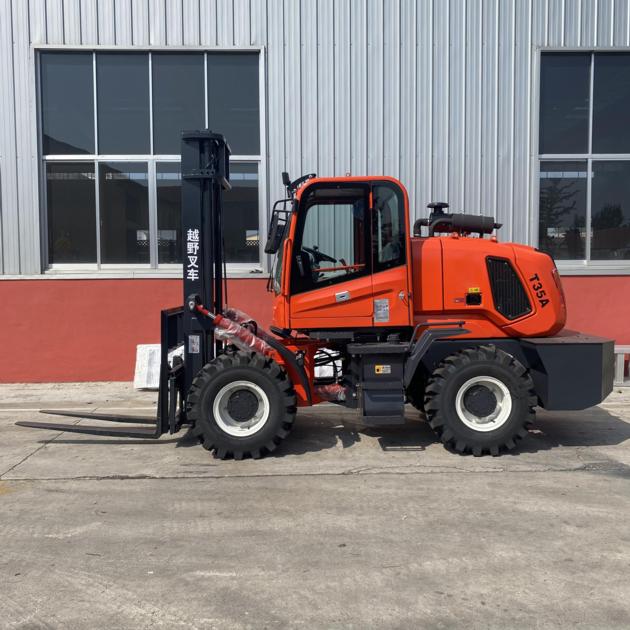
x: 342, y: 296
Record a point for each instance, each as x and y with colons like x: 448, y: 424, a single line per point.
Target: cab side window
x: 334, y: 241
x: 388, y: 242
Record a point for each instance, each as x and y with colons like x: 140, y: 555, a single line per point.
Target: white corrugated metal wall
x: 438, y: 92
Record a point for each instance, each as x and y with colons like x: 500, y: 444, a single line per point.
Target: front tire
x: 480, y: 400
x: 242, y: 405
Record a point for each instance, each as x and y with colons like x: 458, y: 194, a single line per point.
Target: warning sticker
x: 382, y: 369
x: 194, y: 344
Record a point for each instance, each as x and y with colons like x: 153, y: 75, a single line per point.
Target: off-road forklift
x: 366, y: 315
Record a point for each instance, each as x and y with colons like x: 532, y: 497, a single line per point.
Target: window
x: 389, y: 227
x: 178, y: 99
x: 169, y: 183
x: 334, y: 241
x: 563, y: 209
x: 124, y: 209
x: 584, y: 203
x: 111, y: 133
x: 233, y: 100
x: 240, y: 214
x: 71, y: 198
x: 564, y: 89
x: 67, y: 103
x: 122, y: 83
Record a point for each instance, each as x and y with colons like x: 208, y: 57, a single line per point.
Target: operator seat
x: 303, y: 276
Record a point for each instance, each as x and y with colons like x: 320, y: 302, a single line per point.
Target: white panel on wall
x: 54, y: 20
x: 106, y: 22
x: 225, y: 22
x: 25, y: 145
x: 505, y: 118
x: 306, y: 132
x: 157, y: 22
x: 519, y: 204
x: 292, y: 98
x: 621, y: 13
x: 140, y: 22
x: 472, y: 108
x: 408, y: 109
x: 375, y: 87
x: 123, y: 22
x: 358, y: 87
x: 72, y: 21
x: 326, y: 139
x: 340, y: 76
x: 191, y: 20
x: 208, y: 23
x: 391, y: 89
x: 89, y: 21
x: 422, y: 191
x: 276, y: 86
x: 456, y: 107
x: 8, y: 152
x: 174, y: 23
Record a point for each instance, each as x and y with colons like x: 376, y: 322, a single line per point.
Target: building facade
x: 516, y: 108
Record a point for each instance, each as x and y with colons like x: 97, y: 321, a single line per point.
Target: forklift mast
x: 205, y: 171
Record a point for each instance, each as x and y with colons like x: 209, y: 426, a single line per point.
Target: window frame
x: 584, y: 266
x: 302, y: 213
x: 153, y: 268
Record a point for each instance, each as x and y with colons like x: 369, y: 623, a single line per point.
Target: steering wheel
x: 317, y: 255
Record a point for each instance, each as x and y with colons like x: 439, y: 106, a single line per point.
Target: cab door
x: 390, y: 255
x: 331, y: 284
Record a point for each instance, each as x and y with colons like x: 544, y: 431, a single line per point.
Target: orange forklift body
x: 435, y: 284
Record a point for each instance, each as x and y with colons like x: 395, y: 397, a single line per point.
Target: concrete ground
x: 343, y: 527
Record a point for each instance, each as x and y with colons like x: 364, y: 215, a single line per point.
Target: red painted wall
x: 87, y: 330
x: 599, y: 305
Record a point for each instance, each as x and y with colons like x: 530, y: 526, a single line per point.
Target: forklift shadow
x: 314, y: 433
x: 592, y: 427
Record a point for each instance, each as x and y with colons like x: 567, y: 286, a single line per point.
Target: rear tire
x: 242, y: 405
x: 480, y: 400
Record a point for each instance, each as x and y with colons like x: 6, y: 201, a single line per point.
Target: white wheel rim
x: 502, y: 409
x: 229, y: 424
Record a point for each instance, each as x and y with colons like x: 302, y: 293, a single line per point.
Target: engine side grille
x: 508, y: 292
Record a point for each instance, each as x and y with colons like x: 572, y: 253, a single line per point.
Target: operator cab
x: 342, y: 255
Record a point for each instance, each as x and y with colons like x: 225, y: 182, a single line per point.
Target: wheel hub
x: 480, y: 401
x: 242, y: 405
x: 483, y: 403
x: 241, y: 408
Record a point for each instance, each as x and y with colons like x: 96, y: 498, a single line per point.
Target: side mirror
x: 276, y: 232
x: 279, y: 220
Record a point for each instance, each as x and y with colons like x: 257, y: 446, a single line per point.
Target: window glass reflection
x: 240, y: 214
x: 178, y: 99
x: 123, y: 103
x: 124, y: 209
x: 610, y: 211
x: 233, y: 100
x: 611, y: 103
x: 562, y: 209
x: 169, y: 195
x: 70, y: 196
x: 67, y: 103
x: 564, y: 96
